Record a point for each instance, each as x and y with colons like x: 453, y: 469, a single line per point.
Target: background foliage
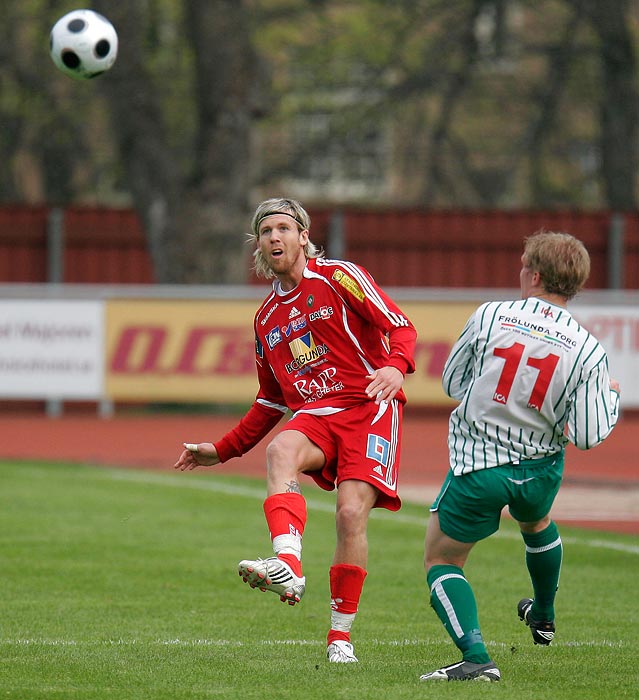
x: 215, y: 104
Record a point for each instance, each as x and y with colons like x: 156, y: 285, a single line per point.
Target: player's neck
x: 555, y: 299
x: 292, y: 277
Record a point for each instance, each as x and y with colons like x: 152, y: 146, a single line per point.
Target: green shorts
x: 469, y: 506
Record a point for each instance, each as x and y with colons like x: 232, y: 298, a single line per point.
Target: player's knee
x: 278, y: 453
x: 282, y: 462
x: 530, y: 528
x: 351, y: 518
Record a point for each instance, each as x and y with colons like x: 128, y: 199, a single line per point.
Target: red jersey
x: 316, y: 344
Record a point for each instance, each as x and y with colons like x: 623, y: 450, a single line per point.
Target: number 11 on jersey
x: 512, y: 355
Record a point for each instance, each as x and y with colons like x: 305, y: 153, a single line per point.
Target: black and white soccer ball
x: 83, y: 44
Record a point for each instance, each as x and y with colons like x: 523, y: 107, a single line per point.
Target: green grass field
x: 123, y: 584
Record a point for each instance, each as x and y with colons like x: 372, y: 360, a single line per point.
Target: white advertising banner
x: 51, y: 349
x: 617, y: 329
x: 138, y: 351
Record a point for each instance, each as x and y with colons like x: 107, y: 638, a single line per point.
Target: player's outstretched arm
x: 202, y: 454
x: 256, y: 424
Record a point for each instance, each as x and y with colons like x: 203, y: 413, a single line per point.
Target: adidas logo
x: 281, y: 576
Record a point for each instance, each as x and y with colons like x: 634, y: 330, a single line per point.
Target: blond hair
x: 561, y: 260
x: 279, y: 205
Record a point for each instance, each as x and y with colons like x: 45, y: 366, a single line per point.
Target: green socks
x: 543, y: 559
x: 453, y: 600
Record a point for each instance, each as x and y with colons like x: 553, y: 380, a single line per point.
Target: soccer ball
x: 83, y: 44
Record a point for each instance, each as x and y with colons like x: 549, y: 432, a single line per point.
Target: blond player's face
x: 282, y: 244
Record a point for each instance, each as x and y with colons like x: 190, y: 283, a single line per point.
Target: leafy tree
x: 192, y: 200
x: 213, y: 104
x: 494, y: 103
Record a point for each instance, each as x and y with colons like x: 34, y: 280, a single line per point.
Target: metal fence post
x: 616, y: 251
x: 336, y: 242
x: 55, y: 246
x: 55, y: 275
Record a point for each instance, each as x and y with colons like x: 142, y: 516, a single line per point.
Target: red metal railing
x: 407, y: 248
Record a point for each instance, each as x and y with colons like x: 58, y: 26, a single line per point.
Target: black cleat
x: 464, y: 671
x: 543, y: 632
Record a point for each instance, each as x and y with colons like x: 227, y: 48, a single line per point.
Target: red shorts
x: 361, y: 443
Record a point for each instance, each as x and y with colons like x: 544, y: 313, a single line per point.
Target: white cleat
x: 274, y: 575
x: 341, y: 652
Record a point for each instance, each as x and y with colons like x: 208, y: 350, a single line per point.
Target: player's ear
x: 304, y: 236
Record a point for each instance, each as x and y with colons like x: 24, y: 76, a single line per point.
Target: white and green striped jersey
x: 529, y: 379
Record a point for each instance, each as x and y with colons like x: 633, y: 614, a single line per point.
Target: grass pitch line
x: 196, y: 643
x: 215, y: 486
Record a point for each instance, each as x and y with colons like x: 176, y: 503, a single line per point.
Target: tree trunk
x: 619, y: 104
x: 194, y: 220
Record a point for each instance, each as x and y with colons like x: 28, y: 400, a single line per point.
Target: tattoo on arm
x: 293, y: 487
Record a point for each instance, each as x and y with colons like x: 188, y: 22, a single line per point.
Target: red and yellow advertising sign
x: 185, y: 351
x: 203, y: 351
x: 438, y: 327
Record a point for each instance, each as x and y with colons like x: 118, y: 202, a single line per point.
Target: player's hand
x: 385, y: 383
x: 614, y: 385
x: 202, y: 454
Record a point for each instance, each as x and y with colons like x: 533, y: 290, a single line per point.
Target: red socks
x: 286, y: 517
x: 346, y: 582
